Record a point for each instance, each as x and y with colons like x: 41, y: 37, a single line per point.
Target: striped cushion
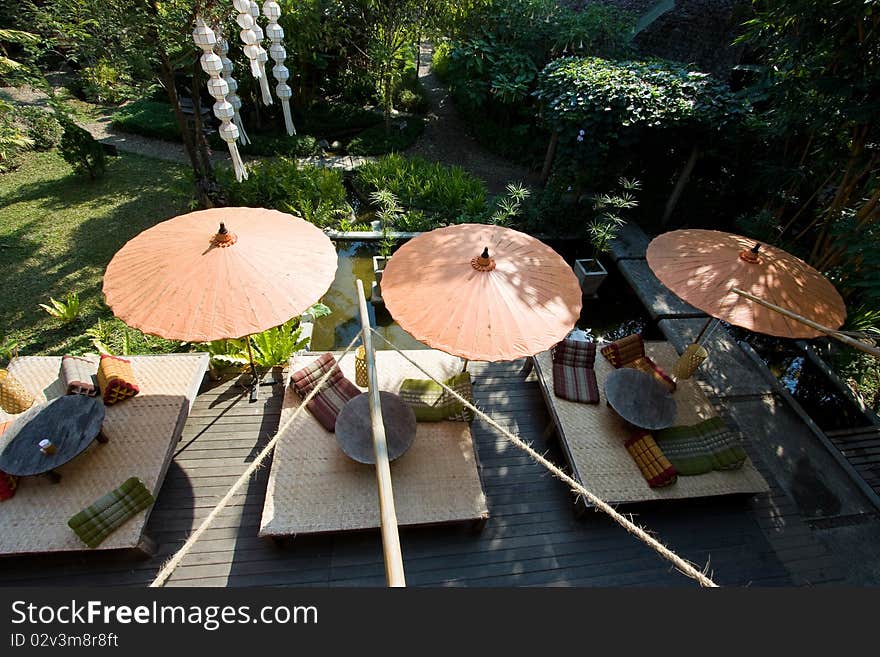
x: 78, y: 375
x: 702, y: 447
x: 333, y: 395
x: 655, y: 467
x: 305, y: 379
x: 116, y: 379
x: 625, y: 350
x: 100, y: 519
x: 573, y: 375
x: 630, y: 352
x: 431, y: 403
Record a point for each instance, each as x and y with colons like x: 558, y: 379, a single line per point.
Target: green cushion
x: 702, y: 447
x: 431, y: 403
x: 100, y: 519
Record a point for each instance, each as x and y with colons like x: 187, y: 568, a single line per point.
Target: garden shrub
x: 606, y: 98
x: 316, y: 194
x: 82, y: 151
x: 335, y: 120
x: 272, y: 144
x: 492, y: 73
x: 441, y: 60
x: 12, y: 138
x: 148, y: 118
x: 449, y: 191
x: 404, y: 132
x: 42, y: 127
x: 601, y: 110
x: 105, y: 83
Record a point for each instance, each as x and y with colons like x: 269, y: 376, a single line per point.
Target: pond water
x: 823, y: 402
x: 615, y: 314
x: 355, y: 261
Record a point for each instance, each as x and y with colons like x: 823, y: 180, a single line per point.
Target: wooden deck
x: 861, y: 447
x: 533, y: 537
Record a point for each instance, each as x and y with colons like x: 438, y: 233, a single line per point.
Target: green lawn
x: 58, y: 231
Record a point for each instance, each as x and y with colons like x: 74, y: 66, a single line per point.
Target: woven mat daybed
x: 142, y: 432
x: 314, y: 487
x: 592, y: 437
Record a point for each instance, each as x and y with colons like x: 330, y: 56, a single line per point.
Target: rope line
x: 685, y: 567
x: 172, y: 564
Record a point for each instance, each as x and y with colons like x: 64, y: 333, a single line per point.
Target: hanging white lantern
x: 275, y: 32
x: 248, y: 36
x: 212, y: 64
x: 231, y: 96
x: 262, y: 57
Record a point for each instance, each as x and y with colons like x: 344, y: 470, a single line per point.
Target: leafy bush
x: 376, y: 140
x: 270, y: 145
x: 42, y: 127
x: 335, y: 120
x: 429, y: 186
x: 493, y: 71
x: 603, y: 97
x: 441, y: 60
x: 104, y: 83
x: 271, y: 348
x: 314, y: 193
x: 148, y: 118
x: 82, y: 151
x: 12, y: 139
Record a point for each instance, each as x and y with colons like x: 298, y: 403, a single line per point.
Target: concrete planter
x: 590, y: 273
x: 379, y: 263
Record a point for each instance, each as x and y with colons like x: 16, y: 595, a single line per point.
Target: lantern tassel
x: 255, y: 68
x: 237, y: 163
x: 264, y: 86
x: 242, y: 135
x: 288, y: 119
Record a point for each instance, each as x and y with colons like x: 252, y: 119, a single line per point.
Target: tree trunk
x: 166, y: 74
x: 551, y: 155
x: 680, y: 184
x: 199, y: 132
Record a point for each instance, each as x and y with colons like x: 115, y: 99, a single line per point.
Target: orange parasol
x: 220, y: 273
x: 516, y: 299
x: 711, y: 270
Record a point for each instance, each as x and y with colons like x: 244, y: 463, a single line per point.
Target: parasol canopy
x: 219, y: 273
x: 704, y: 266
x: 481, y: 292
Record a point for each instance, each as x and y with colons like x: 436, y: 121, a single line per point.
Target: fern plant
x: 66, y: 311
x: 273, y: 348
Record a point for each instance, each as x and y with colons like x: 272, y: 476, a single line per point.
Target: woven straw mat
x: 594, y: 437
x: 142, y: 432
x: 314, y: 487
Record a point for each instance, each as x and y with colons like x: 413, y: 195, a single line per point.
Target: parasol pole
x: 390, y: 538
x: 837, y: 335
x: 254, y: 382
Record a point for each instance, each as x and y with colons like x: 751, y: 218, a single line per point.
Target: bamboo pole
x: 388, y: 516
x: 837, y: 335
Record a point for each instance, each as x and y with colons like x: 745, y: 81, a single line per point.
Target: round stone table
x: 71, y: 423
x: 640, y: 399
x: 354, y: 432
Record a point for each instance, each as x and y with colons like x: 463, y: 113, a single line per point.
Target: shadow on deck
x: 532, y: 538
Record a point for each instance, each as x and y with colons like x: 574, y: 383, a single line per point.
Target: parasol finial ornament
x: 483, y: 262
x: 751, y: 255
x: 223, y: 237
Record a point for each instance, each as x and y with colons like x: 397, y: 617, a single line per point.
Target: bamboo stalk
x: 837, y: 335
x: 388, y: 516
